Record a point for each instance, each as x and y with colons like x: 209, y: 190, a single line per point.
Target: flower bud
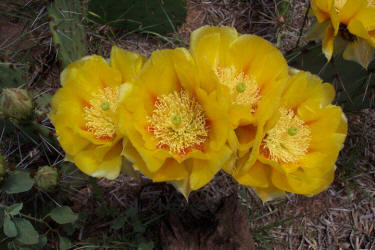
x: 16, y: 103
x: 46, y: 178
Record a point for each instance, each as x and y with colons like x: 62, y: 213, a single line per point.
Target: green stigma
x: 105, y: 105
x: 176, y: 120
x: 241, y: 87
x: 292, y: 131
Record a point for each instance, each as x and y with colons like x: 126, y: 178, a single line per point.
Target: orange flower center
x: 243, y: 88
x: 98, y: 114
x: 289, y: 140
x: 178, y: 122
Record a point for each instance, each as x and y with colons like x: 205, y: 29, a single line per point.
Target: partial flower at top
x: 84, y: 111
x: 177, y: 125
x: 301, y: 143
x: 345, y: 25
x: 252, y: 71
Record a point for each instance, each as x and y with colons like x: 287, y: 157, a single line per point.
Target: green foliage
x: 17, y: 226
x: 17, y: 182
x: 355, y: 86
x: 43, y: 104
x: 146, y: 245
x: 11, y: 77
x: 42, y: 242
x: 26, y: 233
x: 69, y: 36
x: 63, y: 215
x: 9, y: 227
x: 14, y: 209
x: 161, y: 16
x: 64, y: 243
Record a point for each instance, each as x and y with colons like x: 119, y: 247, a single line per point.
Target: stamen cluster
x: 178, y: 122
x: 98, y: 113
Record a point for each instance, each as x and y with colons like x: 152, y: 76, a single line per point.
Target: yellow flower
x: 301, y: 142
x: 347, y: 25
x: 176, y: 124
x: 84, y: 111
x: 254, y: 73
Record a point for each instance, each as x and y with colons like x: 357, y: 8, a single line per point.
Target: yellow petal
x: 366, y: 15
x: 71, y: 142
x: 100, y: 161
x: 257, y: 176
x: 357, y: 28
x: 110, y: 167
x: 88, y: 74
x: 128, y: 63
x: 351, y: 9
x: 258, y: 58
x: 360, y: 51
x: 158, y: 75
x: 306, y: 90
x: 313, y: 160
x: 246, y: 136
x: 254, y: 153
x: 218, y: 129
x: 308, y: 181
x: 202, y: 171
x: 209, y: 45
x: 171, y: 170
x: 328, y: 42
x: 67, y: 109
x: 335, y: 19
x: 182, y: 186
x: 269, y: 193
x: 321, y: 9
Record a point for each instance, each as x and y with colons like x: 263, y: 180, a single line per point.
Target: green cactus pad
x: 69, y: 36
x: 151, y: 15
x: 11, y: 77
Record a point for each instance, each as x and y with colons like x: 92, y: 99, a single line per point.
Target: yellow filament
x: 98, y: 114
x: 289, y: 139
x: 243, y: 88
x: 178, y: 122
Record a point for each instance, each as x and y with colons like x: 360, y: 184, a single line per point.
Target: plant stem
x: 37, y: 220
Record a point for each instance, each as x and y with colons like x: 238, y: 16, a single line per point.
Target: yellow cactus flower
x: 176, y: 124
x: 84, y: 111
x: 253, y: 71
x: 345, y: 25
x: 300, y: 143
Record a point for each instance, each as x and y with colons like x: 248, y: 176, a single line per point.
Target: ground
x: 342, y: 217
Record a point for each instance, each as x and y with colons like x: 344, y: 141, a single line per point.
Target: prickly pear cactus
x: 16, y: 103
x: 69, y: 36
x: 355, y: 86
x: 10, y: 76
x: 161, y: 16
x: 46, y: 178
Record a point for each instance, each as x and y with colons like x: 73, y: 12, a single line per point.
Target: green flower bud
x: 46, y: 178
x: 16, y: 103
